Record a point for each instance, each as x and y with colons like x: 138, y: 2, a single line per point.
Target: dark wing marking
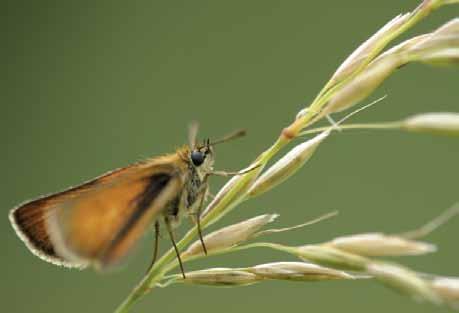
x: 144, y: 205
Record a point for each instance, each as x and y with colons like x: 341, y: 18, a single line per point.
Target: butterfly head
x: 202, y: 157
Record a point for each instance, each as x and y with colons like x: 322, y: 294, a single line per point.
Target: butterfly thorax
x: 194, y: 186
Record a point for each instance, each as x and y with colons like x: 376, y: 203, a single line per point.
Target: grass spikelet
x: 298, y: 271
x: 287, y: 165
x: 443, y: 123
x: 230, y: 236
x: 447, y: 288
x: 222, y: 277
x: 379, y: 244
x: 403, y: 280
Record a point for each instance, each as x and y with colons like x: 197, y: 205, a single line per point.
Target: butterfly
x: 99, y: 222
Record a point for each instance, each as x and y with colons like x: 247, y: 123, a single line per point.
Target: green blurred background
x: 88, y: 86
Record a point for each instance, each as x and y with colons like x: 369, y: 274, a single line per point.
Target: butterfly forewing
x: 101, y: 220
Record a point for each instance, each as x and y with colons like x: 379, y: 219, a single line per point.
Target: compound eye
x: 197, y: 157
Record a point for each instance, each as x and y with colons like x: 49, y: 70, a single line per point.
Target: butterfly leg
x: 227, y: 174
x: 210, y: 195
x: 198, y: 216
x: 177, y: 252
x: 195, y: 211
x: 156, y: 248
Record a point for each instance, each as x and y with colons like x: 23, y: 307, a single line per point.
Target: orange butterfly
x: 98, y: 222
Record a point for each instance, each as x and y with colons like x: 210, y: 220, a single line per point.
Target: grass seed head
x: 364, y: 51
x: 298, y: 271
x: 230, y: 236
x: 223, y: 277
x: 443, y: 123
x: 363, y: 84
x: 329, y: 256
x: 403, y: 280
x: 448, y: 289
x: 288, y: 165
x: 378, y: 244
x: 441, y: 46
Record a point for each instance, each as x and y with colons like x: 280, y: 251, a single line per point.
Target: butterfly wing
x: 101, y: 220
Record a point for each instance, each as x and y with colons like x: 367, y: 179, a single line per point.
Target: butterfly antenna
x: 234, y: 135
x: 193, y: 134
